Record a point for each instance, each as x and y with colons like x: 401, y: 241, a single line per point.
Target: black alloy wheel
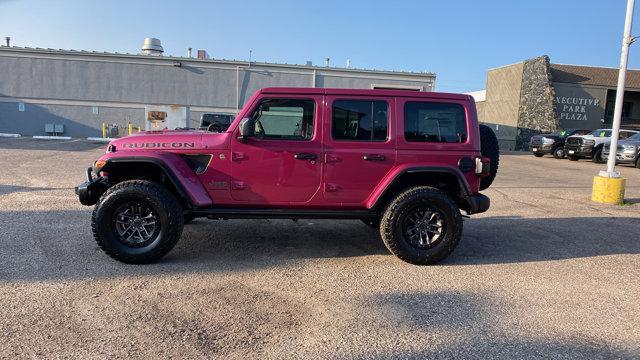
x: 136, y: 224
x: 423, y: 227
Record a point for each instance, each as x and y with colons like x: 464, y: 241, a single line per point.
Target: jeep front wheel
x: 137, y: 221
x: 421, y: 226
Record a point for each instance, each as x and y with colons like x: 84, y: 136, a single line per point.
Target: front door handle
x: 305, y: 156
x: 373, y: 157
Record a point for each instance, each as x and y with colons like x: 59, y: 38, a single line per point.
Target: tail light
x: 483, y: 166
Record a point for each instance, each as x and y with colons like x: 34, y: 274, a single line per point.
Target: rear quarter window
x: 434, y: 122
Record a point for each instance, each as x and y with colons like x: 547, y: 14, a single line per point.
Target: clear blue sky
x: 458, y: 40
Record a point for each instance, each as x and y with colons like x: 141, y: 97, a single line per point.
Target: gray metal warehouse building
x: 82, y: 90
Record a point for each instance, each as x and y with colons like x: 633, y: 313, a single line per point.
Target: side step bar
x: 242, y: 213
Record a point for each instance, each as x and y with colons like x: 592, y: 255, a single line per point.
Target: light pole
x: 608, y: 186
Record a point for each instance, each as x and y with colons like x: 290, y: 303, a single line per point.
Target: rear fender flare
x: 390, y: 179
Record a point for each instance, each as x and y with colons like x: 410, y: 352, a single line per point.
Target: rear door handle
x: 305, y: 156
x: 373, y: 157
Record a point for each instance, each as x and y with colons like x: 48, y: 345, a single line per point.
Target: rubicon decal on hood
x: 174, y: 145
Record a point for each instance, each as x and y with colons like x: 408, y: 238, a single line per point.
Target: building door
x: 281, y: 164
x: 359, y: 146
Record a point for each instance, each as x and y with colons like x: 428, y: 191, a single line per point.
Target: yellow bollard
x: 104, y: 130
x: 608, y: 190
x: 130, y: 129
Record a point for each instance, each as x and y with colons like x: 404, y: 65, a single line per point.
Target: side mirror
x: 247, y: 129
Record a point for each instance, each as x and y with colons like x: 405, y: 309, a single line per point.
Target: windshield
x: 635, y: 137
x: 601, y: 133
x: 560, y: 133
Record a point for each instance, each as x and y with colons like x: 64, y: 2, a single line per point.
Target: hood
x: 629, y: 142
x: 589, y: 136
x: 162, y: 140
x: 548, y: 136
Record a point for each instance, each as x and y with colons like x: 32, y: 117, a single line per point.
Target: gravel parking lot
x: 545, y: 273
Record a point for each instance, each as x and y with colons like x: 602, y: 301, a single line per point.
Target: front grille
x: 536, y: 140
x: 574, y: 141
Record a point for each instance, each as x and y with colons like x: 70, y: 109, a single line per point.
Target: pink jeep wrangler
x: 402, y: 161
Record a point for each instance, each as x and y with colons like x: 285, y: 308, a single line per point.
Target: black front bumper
x: 578, y: 150
x: 90, y: 191
x: 476, y: 203
x: 541, y: 149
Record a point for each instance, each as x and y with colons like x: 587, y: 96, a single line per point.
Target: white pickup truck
x: 590, y: 145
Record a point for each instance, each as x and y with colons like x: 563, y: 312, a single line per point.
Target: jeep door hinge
x: 328, y: 187
x: 237, y: 156
x: 238, y: 185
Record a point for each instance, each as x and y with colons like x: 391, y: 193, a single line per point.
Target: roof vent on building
x: 309, y: 63
x: 203, y: 55
x: 152, y: 46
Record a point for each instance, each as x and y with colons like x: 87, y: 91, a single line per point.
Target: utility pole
x: 608, y: 186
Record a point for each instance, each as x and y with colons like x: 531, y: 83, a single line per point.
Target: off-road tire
x: 558, y: 152
x: 538, y: 155
x: 490, y: 148
x: 573, y: 158
x: 391, y: 229
x: 157, y: 198
x: 597, y: 156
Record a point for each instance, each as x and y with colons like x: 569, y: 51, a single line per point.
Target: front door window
x: 280, y: 164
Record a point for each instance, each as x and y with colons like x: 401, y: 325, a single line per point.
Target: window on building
x: 359, y: 120
x: 627, y: 108
x: 286, y: 119
x: 434, y: 122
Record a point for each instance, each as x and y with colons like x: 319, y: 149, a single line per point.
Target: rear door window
x: 359, y: 120
x: 434, y: 122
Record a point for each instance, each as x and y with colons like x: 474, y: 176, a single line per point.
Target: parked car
x: 590, y: 145
x: 552, y: 143
x: 628, y: 151
x: 215, y: 122
x: 405, y: 162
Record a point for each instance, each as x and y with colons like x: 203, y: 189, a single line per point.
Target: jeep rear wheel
x: 421, y: 226
x: 137, y: 221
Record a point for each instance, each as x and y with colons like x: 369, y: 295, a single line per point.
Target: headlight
x: 589, y: 142
x: 98, y: 164
x: 547, y: 141
x: 628, y: 147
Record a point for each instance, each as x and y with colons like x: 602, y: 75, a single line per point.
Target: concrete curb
x: 10, y: 135
x: 52, y: 137
x: 99, y: 139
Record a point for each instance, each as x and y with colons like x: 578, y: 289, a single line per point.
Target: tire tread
x: 150, y: 189
x: 391, y: 212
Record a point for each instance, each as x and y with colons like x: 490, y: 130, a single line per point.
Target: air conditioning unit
x: 54, y: 129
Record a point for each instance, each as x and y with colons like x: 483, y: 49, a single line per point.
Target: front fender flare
x: 174, y: 167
